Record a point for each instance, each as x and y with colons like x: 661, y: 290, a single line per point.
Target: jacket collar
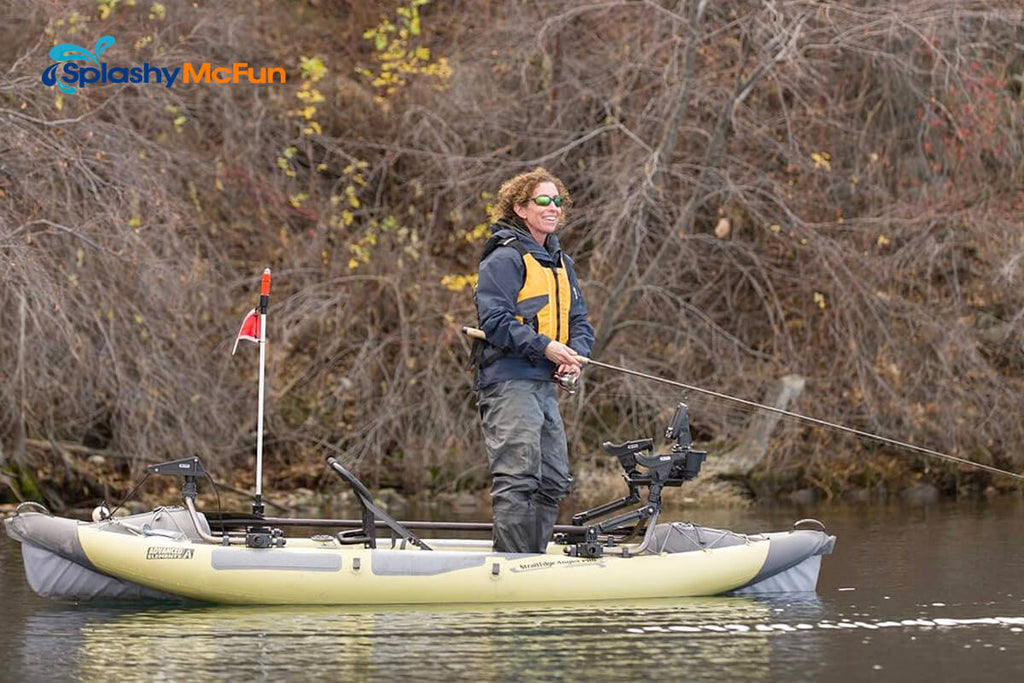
x: 515, y: 224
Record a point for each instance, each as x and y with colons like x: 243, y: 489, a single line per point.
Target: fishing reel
x: 566, y: 382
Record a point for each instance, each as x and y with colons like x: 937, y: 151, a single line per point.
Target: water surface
x: 910, y: 594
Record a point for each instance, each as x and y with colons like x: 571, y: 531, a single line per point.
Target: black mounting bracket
x: 189, y: 468
x: 682, y: 463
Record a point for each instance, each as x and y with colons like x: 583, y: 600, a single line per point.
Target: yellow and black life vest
x: 543, y: 302
x: 545, y: 298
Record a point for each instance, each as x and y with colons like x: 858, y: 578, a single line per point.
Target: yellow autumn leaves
x: 398, y: 58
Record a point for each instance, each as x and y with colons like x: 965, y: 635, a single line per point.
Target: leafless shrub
x: 761, y: 188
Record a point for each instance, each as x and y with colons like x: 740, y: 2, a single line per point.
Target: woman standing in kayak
x: 531, y: 309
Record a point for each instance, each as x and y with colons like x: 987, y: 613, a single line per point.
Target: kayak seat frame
x: 371, y: 512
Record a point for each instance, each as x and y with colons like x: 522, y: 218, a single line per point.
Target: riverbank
x: 65, y: 478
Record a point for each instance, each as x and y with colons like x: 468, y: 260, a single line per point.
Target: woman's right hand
x: 564, y: 357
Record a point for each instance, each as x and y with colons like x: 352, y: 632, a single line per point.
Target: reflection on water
x: 620, y: 641
x: 917, y: 594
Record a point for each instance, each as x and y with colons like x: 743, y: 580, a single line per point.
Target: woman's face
x: 541, y: 220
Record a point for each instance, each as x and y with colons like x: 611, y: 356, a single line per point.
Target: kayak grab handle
x: 32, y: 504
x: 815, y: 522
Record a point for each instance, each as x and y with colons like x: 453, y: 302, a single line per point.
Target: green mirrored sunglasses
x: 544, y: 200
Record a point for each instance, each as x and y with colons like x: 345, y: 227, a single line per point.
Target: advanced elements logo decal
x: 165, y: 553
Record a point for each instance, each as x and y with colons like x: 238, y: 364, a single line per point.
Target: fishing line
x: 479, y: 334
x: 805, y: 418
x: 711, y: 411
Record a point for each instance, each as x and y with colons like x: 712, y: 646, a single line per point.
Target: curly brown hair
x: 518, y: 190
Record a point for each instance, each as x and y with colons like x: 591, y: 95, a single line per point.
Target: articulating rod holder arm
x: 638, y: 515
x: 581, y: 518
x: 592, y: 546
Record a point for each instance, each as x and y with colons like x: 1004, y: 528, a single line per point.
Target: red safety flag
x: 250, y: 330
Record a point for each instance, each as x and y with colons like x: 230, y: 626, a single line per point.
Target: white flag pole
x: 257, y: 508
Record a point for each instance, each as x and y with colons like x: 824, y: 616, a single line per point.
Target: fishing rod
x: 477, y: 333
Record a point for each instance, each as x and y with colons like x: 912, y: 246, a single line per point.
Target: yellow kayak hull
x: 326, y: 573
x: 162, y: 555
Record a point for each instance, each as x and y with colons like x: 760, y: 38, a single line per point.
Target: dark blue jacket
x: 515, y: 350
